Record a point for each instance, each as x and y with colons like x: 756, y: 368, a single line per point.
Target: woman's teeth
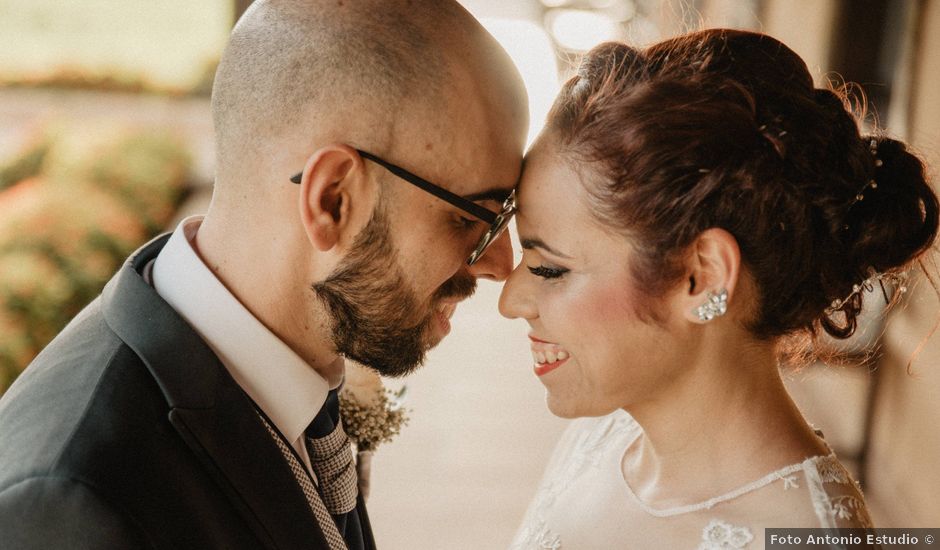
x: 549, y: 356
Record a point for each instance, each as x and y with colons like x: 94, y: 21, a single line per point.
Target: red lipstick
x: 545, y: 368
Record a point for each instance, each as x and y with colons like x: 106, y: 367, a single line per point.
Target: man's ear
x: 329, y: 187
x: 714, y: 264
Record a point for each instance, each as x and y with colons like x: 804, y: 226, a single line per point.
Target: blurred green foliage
x: 24, y: 165
x: 67, y: 226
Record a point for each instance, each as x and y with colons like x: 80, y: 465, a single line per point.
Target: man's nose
x: 496, y: 262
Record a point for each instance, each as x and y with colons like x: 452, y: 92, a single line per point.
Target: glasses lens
x: 499, y: 225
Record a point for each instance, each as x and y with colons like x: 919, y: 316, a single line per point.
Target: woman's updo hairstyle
x: 723, y: 128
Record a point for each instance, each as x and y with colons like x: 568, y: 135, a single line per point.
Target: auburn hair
x: 725, y: 129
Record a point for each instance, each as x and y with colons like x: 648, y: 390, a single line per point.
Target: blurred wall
x: 904, y: 480
x: 888, y: 420
x: 803, y: 25
x: 925, y: 108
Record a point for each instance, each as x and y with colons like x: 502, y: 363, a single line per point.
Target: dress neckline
x: 778, y: 474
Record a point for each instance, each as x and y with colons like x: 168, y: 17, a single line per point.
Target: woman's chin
x: 564, y: 407
x: 571, y: 407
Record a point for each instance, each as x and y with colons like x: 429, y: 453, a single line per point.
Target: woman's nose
x: 514, y: 300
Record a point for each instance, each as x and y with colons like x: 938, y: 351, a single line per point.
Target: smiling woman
x: 571, y: 286
x: 688, y: 210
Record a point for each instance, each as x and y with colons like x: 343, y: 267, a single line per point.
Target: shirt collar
x: 286, y: 388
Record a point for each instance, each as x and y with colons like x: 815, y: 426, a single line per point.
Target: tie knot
x: 327, y: 419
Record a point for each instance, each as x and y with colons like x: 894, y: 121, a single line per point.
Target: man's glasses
x: 498, y: 222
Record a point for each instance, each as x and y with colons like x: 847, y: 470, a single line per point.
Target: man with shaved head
x: 366, y: 155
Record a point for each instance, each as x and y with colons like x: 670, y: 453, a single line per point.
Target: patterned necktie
x: 332, y: 461
x: 324, y: 519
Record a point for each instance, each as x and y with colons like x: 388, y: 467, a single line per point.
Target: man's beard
x: 372, y: 308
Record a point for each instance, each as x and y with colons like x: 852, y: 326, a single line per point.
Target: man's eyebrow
x: 499, y: 195
x: 529, y: 244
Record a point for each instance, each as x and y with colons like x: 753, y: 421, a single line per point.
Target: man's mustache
x: 460, y: 286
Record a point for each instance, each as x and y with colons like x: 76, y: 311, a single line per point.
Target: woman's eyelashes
x: 547, y: 272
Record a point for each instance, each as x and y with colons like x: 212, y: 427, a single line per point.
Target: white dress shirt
x: 284, y: 386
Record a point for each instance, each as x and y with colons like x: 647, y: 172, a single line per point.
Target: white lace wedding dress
x: 584, y: 502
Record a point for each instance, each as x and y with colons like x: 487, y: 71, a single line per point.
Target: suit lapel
x: 209, y: 411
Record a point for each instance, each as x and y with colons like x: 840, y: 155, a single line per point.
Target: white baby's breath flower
x: 371, y: 413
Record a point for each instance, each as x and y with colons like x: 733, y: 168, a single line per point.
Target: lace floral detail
x: 790, y: 482
x: 849, y: 508
x: 831, y: 471
x: 840, y: 509
x: 719, y: 535
x: 846, y: 507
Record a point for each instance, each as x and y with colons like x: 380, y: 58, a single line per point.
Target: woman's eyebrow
x: 530, y: 243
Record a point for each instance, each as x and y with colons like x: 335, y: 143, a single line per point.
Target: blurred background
x: 106, y: 140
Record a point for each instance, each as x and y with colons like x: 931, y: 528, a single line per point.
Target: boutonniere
x: 372, y: 415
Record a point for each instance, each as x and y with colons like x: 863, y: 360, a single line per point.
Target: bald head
x: 300, y: 73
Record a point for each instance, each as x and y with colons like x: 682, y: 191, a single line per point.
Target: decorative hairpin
x: 873, y: 148
x: 775, y: 141
x: 868, y: 285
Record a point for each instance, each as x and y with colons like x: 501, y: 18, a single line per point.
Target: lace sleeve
x: 837, y: 499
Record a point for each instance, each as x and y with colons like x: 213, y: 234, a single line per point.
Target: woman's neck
x: 726, y: 422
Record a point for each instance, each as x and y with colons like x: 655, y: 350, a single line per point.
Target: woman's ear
x: 329, y: 194
x: 714, y: 264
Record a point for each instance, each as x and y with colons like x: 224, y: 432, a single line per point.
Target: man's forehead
x: 474, y: 177
x: 479, y: 157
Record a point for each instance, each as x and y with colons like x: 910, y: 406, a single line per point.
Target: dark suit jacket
x: 127, y: 432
